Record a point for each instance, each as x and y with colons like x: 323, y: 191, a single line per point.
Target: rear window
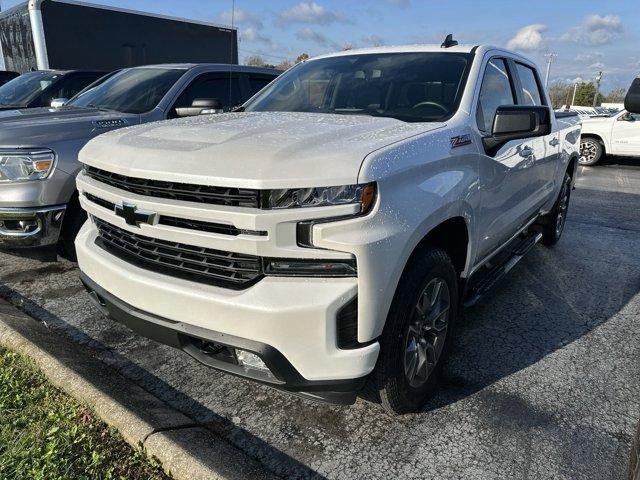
x: 530, y: 89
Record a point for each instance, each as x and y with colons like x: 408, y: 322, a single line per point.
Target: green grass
x: 45, y: 434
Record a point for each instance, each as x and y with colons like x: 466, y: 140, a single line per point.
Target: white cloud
x: 373, y: 40
x: 254, y: 35
x: 241, y: 17
x: 589, y: 57
x: 309, y: 12
x: 316, y: 37
x: 528, y: 38
x: 596, y: 30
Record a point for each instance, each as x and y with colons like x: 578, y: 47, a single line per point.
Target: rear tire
x: 591, y: 151
x: 417, y: 335
x: 74, y: 218
x: 553, y: 222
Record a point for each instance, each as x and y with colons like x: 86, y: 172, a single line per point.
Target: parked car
x: 40, y: 88
x: 326, y: 237
x: 6, y: 75
x: 617, y: 134
x: 39, y: 147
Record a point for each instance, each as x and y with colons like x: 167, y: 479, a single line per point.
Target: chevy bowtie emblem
x: 133, y: 216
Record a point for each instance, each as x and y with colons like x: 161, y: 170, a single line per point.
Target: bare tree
x: 560, y: 93
x: 615, y: 96
x: 284, y: 65
x: 255, y: 61
x: 302, y: 57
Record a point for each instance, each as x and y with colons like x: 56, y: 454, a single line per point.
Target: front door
x: 508, y: 191
x: 625, y: 135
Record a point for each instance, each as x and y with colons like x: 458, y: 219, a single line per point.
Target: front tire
x: 417, y: 335
x: 591, y: 151
x: 74, y: 218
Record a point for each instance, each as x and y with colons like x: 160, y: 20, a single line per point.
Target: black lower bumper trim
x: 189, y: 338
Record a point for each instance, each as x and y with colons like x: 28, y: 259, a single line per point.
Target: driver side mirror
x: 58, y: 102
x: 200, y: 106
x: 626, y: 117
x: 514, y: 122
x: 632, y: 100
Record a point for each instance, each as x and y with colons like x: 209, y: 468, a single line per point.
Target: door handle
x: 554, y: 142
x: 526, y: 152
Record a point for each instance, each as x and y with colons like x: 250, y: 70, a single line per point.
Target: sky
x: 587, y: 36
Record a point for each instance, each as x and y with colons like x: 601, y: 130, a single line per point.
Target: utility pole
x: 598, y: 79
x: 550, y: 57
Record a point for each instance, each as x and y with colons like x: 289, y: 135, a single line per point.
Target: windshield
x: 21, y: 90
x: 413, y: 87
x: 136, y: 90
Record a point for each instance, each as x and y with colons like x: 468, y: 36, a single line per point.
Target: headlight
x: 321, y: 196
x: 23, y: 165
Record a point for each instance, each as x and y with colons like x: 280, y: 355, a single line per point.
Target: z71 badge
x: 460, y: 141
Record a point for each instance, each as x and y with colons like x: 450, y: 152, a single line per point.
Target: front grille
x: 232, y: 197
x: 205, y: 265
x: 185, y: 223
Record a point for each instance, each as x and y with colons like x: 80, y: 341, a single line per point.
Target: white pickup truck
x: 325, y: 237
x: 618, y: 134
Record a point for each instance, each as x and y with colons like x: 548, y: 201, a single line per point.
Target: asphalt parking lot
x: 543, y: 383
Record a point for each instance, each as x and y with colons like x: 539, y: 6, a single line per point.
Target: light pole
x: 595, y: 96
x: 550, y: 57
x: 575, y: 88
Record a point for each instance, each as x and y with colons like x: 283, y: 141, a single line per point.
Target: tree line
x: 258, y: 61
x: 561, y: 93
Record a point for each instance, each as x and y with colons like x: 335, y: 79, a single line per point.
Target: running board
x: 495, y: 272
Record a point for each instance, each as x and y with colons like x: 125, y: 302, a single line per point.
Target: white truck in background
x: 618, y: 134
x: 324, y: 237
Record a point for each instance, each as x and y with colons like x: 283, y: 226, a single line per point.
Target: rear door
x: 625, y: 135
x: 507, y: 192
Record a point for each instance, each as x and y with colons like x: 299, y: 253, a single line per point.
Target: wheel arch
x: 599, y: 138
x: 572, y: 167
x: 451, y: 236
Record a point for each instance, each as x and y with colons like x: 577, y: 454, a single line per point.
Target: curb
x: 185, y: 449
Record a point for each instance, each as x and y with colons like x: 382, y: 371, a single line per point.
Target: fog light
x: 310, y: 268
x: 251, y: 360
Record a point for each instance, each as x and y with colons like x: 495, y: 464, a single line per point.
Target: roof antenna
x: 449, y: 42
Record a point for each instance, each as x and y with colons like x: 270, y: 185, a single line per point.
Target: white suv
x: 326, y: 236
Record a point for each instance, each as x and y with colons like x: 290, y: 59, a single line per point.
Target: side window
x: 225, y: 89
x: 66, y: 88
x: 530, y: 90
x: 75, y: 85
x: 257, y: 83
x: 495, y: 91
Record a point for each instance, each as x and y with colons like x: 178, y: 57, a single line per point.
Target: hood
x: 250, y: 150
x: 41, y: 127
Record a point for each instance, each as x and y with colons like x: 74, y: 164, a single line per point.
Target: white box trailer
x: 67, y: 35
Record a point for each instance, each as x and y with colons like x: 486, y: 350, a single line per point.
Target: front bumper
x: 289, y: 322
x: 30, y: 227
x: 190, y: 339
